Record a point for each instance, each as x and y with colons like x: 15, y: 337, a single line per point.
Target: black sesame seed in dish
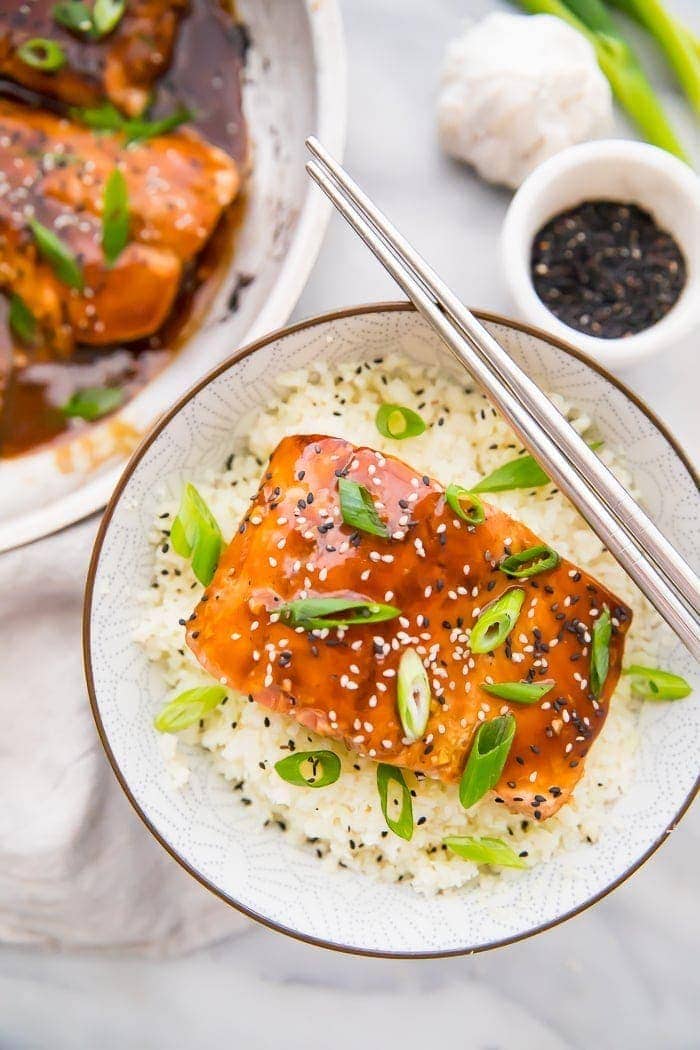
x: 606, y: 268
x: 429, y: 695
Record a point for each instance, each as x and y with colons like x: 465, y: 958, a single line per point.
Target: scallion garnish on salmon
x: 357, y: 636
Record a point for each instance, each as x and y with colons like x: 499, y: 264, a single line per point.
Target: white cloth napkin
x: 78, y: 869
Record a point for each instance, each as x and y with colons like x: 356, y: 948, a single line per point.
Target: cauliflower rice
x: 343, y: 823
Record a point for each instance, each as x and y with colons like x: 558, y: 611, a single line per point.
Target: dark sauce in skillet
x: 204, y: 76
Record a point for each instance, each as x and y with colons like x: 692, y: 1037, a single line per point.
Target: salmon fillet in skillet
x: 122, y: 67
x: 438, y: 571
x: 55, y: 171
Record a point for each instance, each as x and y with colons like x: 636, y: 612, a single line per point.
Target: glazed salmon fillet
x: 441, y: 573
x: 122, y: 67
x: 55, y: 171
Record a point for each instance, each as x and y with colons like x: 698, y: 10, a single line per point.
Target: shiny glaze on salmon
x: 55, y: 171
x: 122, y: 67
x: 439, y: 572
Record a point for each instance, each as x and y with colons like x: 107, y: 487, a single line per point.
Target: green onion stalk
x: 619, y: 63
x: 680, y: 45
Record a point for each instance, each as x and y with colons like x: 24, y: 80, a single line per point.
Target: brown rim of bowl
x: 136, y: 457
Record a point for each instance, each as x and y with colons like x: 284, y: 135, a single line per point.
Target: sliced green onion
x: 496, y: 622
x: 395, y: 421
x: 523, y: 472
x: 651, y: 683
x: 484, y: 851
x: 22, y: 321
x: 188, y: 708
x: 413, y: 695
x: 137, y: 129
x: 93, y: 402
x: 195, y: 534
x: 518, y: 692
x: 530, y: 562
x: 317, y: 613
x: 465, y: 504
x: 358, y: 510
x: 115, y: 217
x: 45, y: 55
x: 486, y: 758
x: 61, y: 259
x: 107, y: 117
x: 388, y: 777
x: 73, y: 15
x: 96, y: 23
x: 302, y: 768
x: 600, y: 651
x: 106, y: 15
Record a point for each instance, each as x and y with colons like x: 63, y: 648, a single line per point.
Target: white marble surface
x: 622, y: 975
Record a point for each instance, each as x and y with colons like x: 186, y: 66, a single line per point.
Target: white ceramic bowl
x: 204, y: 827
x: 619, y: 170
x: 294, y: 86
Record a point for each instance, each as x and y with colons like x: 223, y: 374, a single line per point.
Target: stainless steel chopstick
x: 631, y: 516
x: 472, y: 355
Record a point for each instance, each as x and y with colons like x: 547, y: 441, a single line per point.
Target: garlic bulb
x: 515, y: 90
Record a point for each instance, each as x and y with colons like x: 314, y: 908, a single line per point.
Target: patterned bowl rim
x: 137, y: 456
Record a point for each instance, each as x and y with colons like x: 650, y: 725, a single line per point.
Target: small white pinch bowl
x: 205, y: 828
x: 618, y: 170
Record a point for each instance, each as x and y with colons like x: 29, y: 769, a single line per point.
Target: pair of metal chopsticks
x: 623, y: 527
